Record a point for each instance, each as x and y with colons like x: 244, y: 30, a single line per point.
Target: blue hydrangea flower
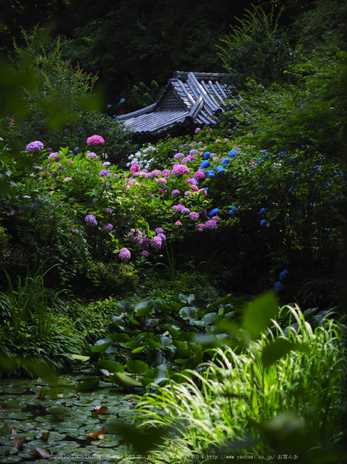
x: 297, y: 173
x: 213, y: 212
x: 211, y: 174
x: 232, y: 210
x: 109, y: 106
x: 206, y: 155
x: 282, y: 153
x: 262, y: 187
x: 122, y: 100
x: 290, y: 189
x: 226, y: 161
x: 205, y: 164
x: 278, y: 286
x: 232, y: 153
x: 220, y: 169
x: 262, y: 210
x: 263, y: 222
x: 283, y: 274
x: 316, y: 167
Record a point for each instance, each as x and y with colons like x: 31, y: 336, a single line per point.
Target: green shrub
x: 63, y: 107
x: 257, y: 48
x: 114, y: 278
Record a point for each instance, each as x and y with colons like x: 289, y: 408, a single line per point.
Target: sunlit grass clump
x: 281, y: 393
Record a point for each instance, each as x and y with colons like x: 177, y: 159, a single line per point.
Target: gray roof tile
x: 189, y: 99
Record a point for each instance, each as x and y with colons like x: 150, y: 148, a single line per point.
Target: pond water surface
x: 61, y: 421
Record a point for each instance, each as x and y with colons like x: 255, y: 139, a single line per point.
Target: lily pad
x: 10, y: 459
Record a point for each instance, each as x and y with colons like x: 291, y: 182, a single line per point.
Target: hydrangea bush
x: 186, y: 191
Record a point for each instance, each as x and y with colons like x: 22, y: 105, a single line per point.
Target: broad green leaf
x: 122, y: 379
x: 208, y: 318
x: 139, y: 349
x: 280, y: 348
x: 80, y: 357
x: 111, y: 366
x: 188, y: 312
x: 124, y: 307
x: 100, y: 348
x: 119, y: 321
x: 136, y: 366
x: 144, y: 308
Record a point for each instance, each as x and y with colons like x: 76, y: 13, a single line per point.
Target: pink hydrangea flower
x: 175, y: 192
x: 54, y: 157
x: 156, y: 172
x: 216, y: 218
x: 178, y: 223
x: 166, y: 173
x: 135, y: 167
x: 159, y: 230
x: 156, y: 242
x: 200, y: 226
x: 124, y: 254
x: 193, y: 215
x: 211, y: 225
x: 199, y: 175
x: 161, y: 190
x: 95, y: 140
x: 161, y: 180
x: 187, y: 192
x: 179, y: 169
x: 197, y: 130
x: 195, y: 189
x: 202, y: 190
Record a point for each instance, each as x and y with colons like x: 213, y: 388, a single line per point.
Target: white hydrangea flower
x: 131, y: 157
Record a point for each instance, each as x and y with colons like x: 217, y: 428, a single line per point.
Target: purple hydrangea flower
x: 159, y: 230
x: 54, y: 157
x: 34, y: 147
x: 104, y: 172
x: 179, y: 155
x: 211, y: 225
x: 124, y: 254
x: 175, y: 192
x: 162, y: 236
x: 92, y: 155
x: 108, y: 227
x: 90, y: 220
x: 145, y: 253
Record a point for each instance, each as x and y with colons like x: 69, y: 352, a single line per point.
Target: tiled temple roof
x: 189, y: 100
